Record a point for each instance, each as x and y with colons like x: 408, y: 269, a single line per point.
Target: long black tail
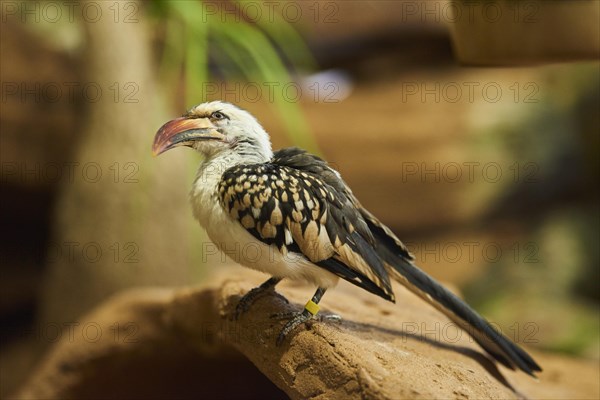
x: 400, y: 266
x: 495, y: 343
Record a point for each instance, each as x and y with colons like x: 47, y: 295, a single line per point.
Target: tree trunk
x: 124, y: 219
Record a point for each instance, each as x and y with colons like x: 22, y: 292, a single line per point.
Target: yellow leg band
x: 312, y: 307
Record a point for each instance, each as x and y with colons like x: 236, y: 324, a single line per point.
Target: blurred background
x: 469, y: 128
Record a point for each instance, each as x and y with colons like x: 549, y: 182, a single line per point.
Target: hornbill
x: 305, y: 220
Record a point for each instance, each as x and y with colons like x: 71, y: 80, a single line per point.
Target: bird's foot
x: 320, y: 317
x: 250, y: 298
x: 311, y: 309
x: 298, y: 318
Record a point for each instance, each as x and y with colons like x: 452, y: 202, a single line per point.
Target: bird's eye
x: 218, y: 115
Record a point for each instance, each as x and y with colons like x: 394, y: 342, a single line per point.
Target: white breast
x: 238, y: 244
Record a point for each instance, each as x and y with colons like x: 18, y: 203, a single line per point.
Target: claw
x: 329, y: 317
x: 298, y: 318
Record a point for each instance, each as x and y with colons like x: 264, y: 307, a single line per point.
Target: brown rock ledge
x: 180, y: 343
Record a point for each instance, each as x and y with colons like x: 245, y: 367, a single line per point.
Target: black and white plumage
x: 305, y: 220
x: 298, y: 204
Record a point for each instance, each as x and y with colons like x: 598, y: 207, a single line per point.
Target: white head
x: 216, y: 128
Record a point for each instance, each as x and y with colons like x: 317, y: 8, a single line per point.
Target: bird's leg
x: 249, y: 298
x: 310, y: 311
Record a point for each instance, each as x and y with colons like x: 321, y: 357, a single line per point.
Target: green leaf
x: 251, y: 47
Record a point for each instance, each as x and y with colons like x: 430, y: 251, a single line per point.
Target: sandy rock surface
x: 182, y: 343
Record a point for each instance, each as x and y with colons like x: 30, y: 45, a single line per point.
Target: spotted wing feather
x: 298, y: 204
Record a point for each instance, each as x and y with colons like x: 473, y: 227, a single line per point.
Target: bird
x: 305, y: 222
